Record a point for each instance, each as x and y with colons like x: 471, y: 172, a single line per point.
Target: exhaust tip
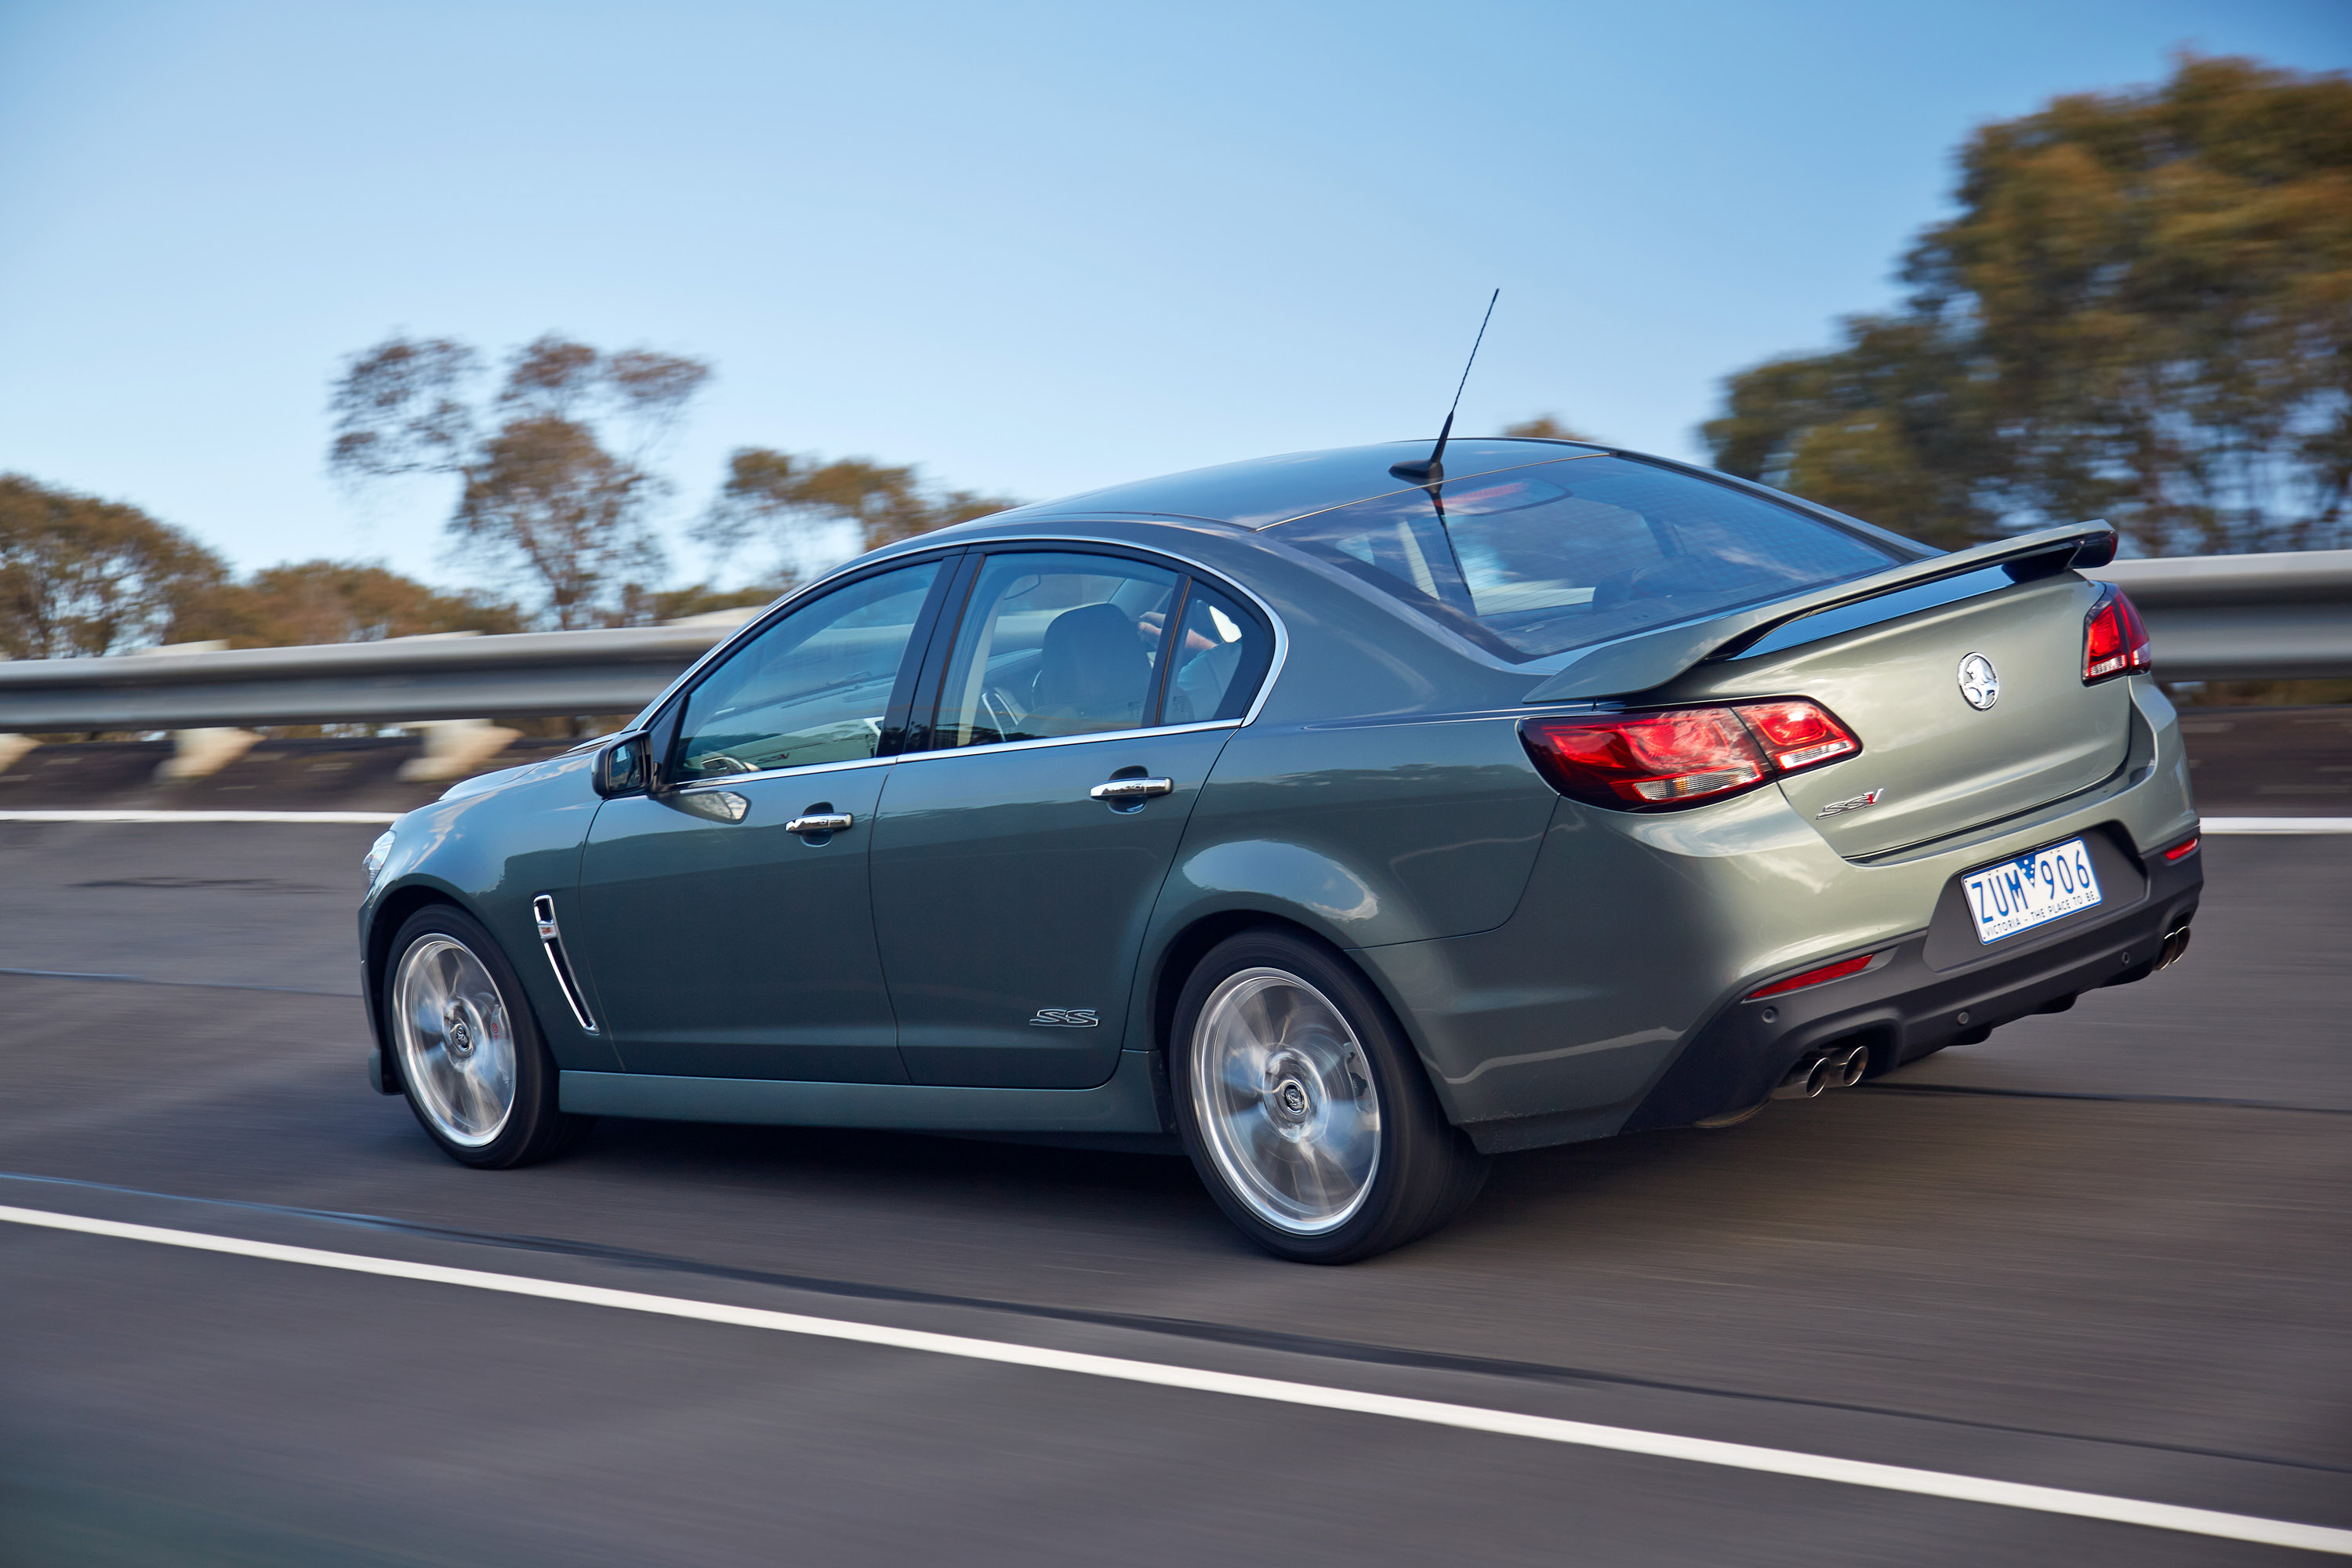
x: 1837, y: 1068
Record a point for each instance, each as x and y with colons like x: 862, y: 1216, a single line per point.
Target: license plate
x: 2017, y: 895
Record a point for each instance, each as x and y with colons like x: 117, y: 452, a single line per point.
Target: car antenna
x: 1431, y: 469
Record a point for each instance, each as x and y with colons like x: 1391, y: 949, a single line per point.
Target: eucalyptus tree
x: 778, y: 499
x: 2141, y: 310
x: 553, y: 468
x: 81, y: 577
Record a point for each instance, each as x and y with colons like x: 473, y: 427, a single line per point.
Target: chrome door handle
x: 830, y: 822
x: 1132, y: 789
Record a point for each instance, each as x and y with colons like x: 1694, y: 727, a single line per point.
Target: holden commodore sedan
x: 1349, y: 818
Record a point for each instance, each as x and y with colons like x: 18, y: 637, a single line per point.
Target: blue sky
x: 1033, y: 248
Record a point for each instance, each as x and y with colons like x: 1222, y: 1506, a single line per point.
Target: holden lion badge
x: 1979, y: 682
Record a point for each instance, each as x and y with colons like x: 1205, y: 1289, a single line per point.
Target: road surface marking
x: 2215, y: 824
x: 200, y: 816
x: 1468, y: 1418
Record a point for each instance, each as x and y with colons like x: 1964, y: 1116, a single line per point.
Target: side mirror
x: 623, y: 767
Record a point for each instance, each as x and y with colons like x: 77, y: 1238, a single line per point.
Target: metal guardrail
x: 2285, y: 616
x: 403, y: 679
x: 2212, y: 617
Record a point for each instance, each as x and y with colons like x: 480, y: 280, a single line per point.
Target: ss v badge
x: 1838, y: 807
x: 1064, y: 1018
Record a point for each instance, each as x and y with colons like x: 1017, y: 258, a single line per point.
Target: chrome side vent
x: 542, y: 908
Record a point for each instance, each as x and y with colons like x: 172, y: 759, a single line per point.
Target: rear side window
x: 1561, y: 555
x: 1219, y: 658
x: 1055, y: 645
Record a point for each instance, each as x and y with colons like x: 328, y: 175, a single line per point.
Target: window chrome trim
x: 936, y: 752
x: 768, y: 617
x: 727, y: 781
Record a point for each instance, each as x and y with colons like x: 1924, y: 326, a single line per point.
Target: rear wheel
x: 1304, y: 1108
x: 470, y: 1059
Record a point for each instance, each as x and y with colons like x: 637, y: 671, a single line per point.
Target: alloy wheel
x: 1285, y: 1099
x: 457, y: 1042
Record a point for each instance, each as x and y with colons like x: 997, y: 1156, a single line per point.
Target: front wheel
x: 1305, y: 1109
x: 470, y: 1059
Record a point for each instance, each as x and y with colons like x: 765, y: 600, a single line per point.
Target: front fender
x: 491, y: 853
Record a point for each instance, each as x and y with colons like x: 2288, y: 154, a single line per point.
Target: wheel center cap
x: 459, y: 1033
x: 1290, y: 1100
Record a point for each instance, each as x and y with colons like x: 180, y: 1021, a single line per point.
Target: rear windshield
x: 1560, y: 555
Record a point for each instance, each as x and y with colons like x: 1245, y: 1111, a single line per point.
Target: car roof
x: 1265, y: 491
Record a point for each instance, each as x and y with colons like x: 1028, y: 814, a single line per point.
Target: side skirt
x: 1123, y: 1103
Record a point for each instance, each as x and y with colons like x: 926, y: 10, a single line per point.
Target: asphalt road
x: 2106, y: 1250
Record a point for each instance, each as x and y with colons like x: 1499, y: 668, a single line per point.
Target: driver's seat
x: 1092, y: 673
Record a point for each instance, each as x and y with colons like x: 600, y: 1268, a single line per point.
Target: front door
x: 1023, y: 840
x: 725, y: 920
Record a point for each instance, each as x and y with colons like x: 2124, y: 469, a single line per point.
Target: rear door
x: 1967, y: 713
x: 1023, y: 840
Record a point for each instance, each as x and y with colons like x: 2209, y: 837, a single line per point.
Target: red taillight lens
x: 1647, y: 758
x: 2114, y: 642
x: 1797, y: 734
x: 2183, y: 850
x: 1838, y: 971
x: 1682, y: 755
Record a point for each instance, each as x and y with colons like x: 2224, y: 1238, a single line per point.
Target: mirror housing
x: 624, y: 766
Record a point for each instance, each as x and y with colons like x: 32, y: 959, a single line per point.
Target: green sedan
x: 1343, y: 819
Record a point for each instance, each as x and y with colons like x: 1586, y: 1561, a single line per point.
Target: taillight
x: 2114, y: 642
x: 1680, y: 756
x: 2183, y: 850
x: 1797, y: 734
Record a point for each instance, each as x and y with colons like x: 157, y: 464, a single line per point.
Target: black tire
x: 1423, y: 1171
x: 533, y: 1126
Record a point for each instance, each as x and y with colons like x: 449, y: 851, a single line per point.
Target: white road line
x: 2215, y: 824
x: 1469, y: 1417
x: 199, y: 816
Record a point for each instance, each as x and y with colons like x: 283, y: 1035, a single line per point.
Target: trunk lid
x: 1940, y: 764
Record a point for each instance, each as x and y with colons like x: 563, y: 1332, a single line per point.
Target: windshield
x: 1559, y: 555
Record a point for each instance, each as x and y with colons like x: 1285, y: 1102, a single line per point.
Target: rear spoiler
x: 1650, y: 659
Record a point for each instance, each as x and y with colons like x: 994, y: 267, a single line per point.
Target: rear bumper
x: 1907, y: 1005
x: 1611, y: 998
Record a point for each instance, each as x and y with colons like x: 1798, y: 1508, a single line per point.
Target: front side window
x: 813, y: 687
x: 1564, y: 554
x: 1057, y: 643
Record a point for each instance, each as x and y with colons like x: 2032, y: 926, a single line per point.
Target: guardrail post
x: 201, y: 753
x: 454, y: 748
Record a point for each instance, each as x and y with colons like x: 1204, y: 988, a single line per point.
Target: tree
x: 554, y: 485
x: 702, y: 599
x: 778, y: 497
x: 2142, y: 310
x: 339, y: 602
x: 1544, y: 428
x: 81, y: 577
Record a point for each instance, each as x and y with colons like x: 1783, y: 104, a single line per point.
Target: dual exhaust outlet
x: 1840, y: 1067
